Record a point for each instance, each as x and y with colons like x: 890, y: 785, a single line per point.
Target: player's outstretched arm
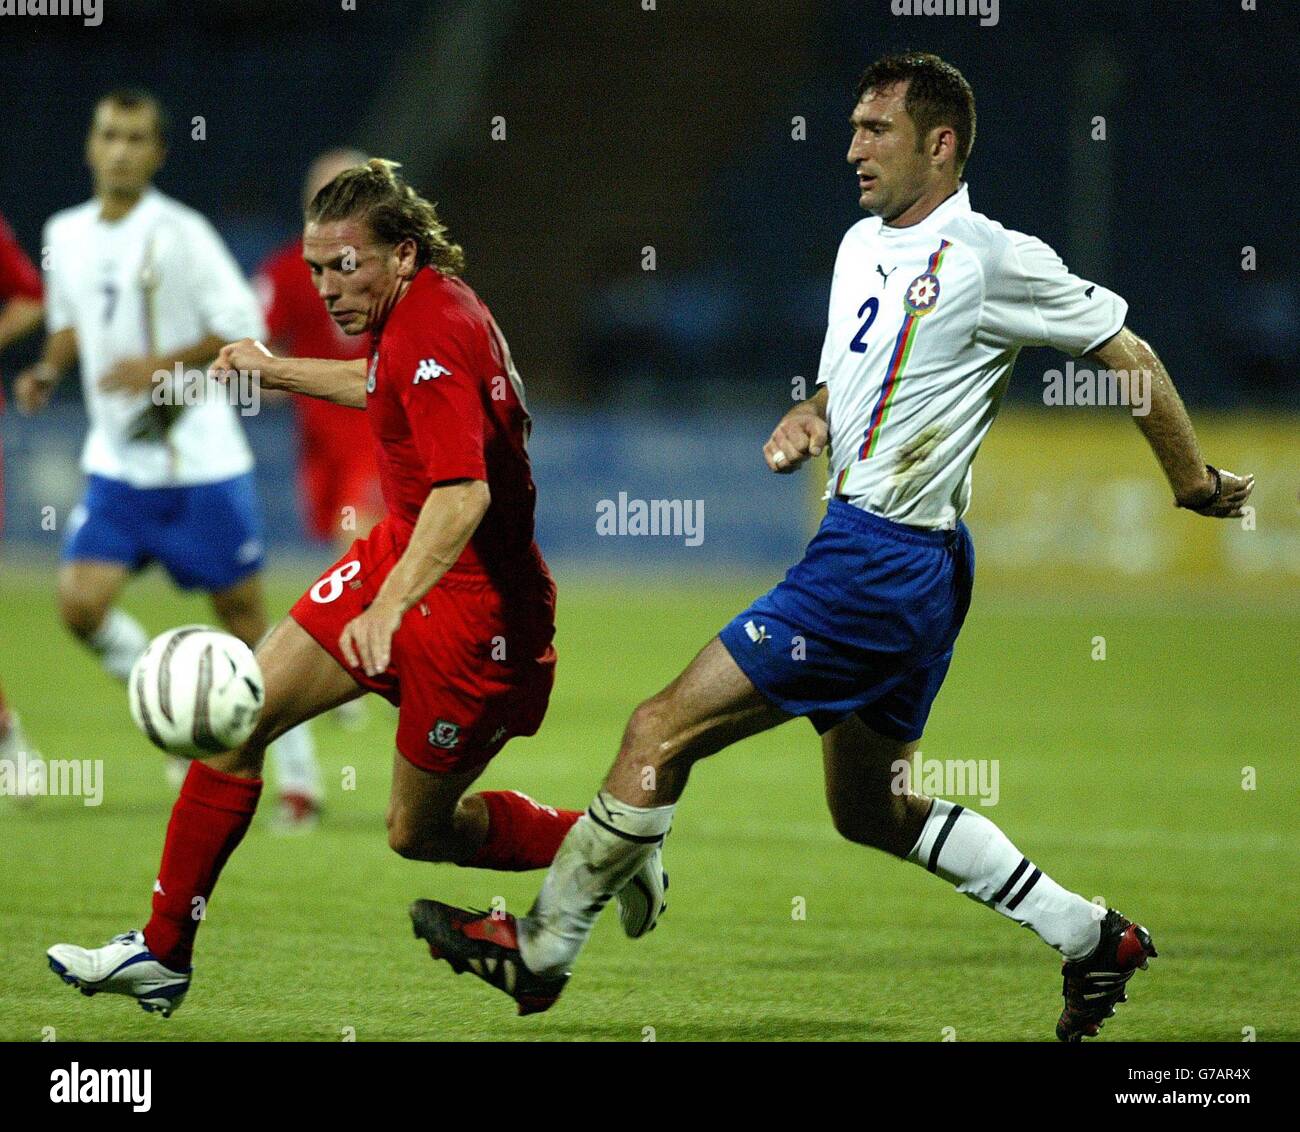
x: 802, y: 433
x: 35, y: 385
x: 1168, y: 429
x: 344, y: 383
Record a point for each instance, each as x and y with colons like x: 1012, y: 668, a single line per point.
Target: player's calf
x: 415, y: 843
x: 241, y: 609
x: 888, y: 822
x: 112, y: 634
x: 869, y: 800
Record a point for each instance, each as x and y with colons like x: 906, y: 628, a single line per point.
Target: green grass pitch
x: 1122, y: 778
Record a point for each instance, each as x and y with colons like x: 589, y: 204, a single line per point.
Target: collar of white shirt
x: 955, y: 205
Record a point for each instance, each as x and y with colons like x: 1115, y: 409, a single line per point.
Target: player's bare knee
x: 654, y: 736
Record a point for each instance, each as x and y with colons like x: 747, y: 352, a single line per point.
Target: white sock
x: 968, y: 850
x: 600, y: 854
x: 118, y: 643
x: 293, y: 756
x: 12, y: 739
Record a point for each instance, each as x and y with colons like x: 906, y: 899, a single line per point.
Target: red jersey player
x: 446, y: 608
x: 21, y: 307
x: 338, y: 481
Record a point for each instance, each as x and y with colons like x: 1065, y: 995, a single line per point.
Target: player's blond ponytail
x: 394, y: 211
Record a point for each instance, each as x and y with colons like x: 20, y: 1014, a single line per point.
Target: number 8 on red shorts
x: 472, y: 666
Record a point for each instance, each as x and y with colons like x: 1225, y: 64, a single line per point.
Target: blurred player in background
x: 20, y: 315
x: 338, y: 479
x: 930, y: 304
x: 138, y: 283
x: 447, y: 608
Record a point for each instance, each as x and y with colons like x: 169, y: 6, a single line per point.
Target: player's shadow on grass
x: 51, y: 810
x: 331, y: 821
x: 779, y: 1028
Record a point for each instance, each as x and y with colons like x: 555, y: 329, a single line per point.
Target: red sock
x: 209, y: 819
x: 522, y: 834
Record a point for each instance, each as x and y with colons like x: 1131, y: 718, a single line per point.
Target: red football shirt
x: 18, y: 275
x: 19, y: 278
x: 296, y: 318
x: 444, y: 403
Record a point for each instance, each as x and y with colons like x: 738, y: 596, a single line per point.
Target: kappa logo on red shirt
x: 428, y: 370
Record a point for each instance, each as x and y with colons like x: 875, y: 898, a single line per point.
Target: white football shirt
x: 154, y: 282
x: 924, y: 326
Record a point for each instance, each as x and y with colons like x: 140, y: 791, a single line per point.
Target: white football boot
x: 124, y: 965
x: 641, y: 902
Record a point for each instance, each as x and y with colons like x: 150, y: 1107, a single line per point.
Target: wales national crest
x: 922, y: 294
x: 445, y: 734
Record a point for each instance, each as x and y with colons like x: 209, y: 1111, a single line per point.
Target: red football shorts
x: 471, y: 667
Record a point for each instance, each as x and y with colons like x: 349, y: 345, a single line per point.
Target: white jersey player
x: 924, y: 326
x: 142, y: 292
x: 929, y: 306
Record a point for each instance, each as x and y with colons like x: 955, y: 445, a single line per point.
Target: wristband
x: 1214, y: 497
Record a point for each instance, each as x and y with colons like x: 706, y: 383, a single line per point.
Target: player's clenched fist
x: 246, y: 355
x: 34, y: 387
x: 1222, y: 496
x: 802, y: 433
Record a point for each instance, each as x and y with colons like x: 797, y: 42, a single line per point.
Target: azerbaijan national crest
x: 922, y: 294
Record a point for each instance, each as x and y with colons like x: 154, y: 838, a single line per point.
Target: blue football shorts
x: 864, y: 624
x: 206, y: 536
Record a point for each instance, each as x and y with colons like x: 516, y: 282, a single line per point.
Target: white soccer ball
x: 196, y: 691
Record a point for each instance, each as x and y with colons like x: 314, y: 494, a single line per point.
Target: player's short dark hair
x: 937, y: 95
x: 133, y: 98
x: 395, y: 212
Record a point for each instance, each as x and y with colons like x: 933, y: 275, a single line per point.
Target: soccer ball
x: 196, y: 691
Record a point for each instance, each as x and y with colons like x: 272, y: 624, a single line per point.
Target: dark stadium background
x: 671, y: 129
